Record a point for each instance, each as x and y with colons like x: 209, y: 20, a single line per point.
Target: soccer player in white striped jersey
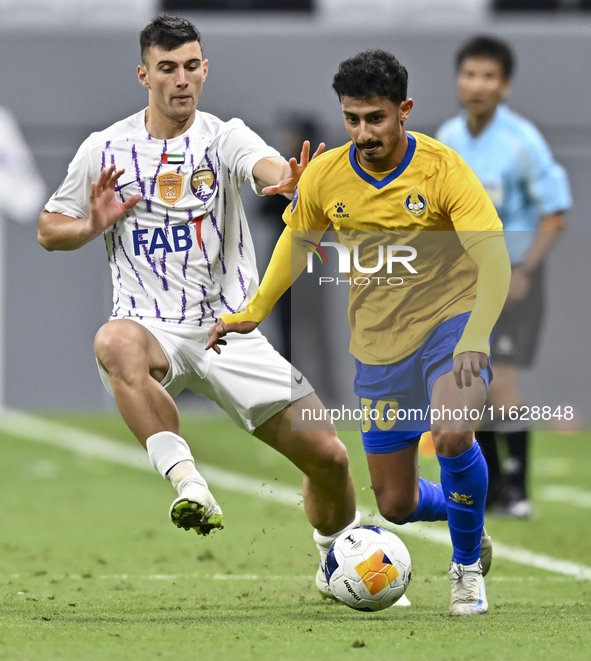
x: 163, y: 187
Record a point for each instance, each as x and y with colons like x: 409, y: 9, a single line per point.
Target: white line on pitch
x: 565, y: 494
x: 22, y: 425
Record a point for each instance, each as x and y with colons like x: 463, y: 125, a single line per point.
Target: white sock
x: 324, y: 542
x: 184, y: 474
x: 171, y: 457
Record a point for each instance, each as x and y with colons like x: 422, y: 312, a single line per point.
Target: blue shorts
x: 398, y: 395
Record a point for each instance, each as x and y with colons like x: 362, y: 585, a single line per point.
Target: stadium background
x: 69, y: 68
x: 91, y: 566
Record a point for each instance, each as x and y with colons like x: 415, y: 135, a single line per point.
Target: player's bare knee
x: 106, y: 345
x: 331, y: 461
x: 452, y: 443
x: 116, y: 345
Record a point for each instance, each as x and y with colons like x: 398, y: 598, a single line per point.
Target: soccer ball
x: 368, y: 568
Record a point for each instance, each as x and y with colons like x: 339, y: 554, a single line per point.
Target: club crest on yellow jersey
x: 170, y: 186
x: 415, y: 202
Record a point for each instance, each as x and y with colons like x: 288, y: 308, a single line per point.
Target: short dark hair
x: 491, y: 48
x: 372, y: 73
x: 168, y: 33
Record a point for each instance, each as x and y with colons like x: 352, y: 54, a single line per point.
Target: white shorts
x: 249, y: 379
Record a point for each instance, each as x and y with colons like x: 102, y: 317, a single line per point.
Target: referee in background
x: 531, y: 194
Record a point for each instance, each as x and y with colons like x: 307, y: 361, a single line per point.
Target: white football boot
x: 468, y: 591
x: 323, y: 544
x: 321, y: 582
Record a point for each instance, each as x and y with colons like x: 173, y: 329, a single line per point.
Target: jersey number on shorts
x: 381, y: 412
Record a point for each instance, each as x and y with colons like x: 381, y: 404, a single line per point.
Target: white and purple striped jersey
x: 184, y: 253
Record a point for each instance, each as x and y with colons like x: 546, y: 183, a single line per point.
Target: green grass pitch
x: 91, y: 568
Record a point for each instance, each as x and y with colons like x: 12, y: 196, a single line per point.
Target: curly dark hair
x: 168, y: 33
x: 372, y: 73
x: 491, y: 48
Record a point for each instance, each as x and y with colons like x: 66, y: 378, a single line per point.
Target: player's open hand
x: 220, y: 330
x: 288, y: 185
x: 467, y: 367
x: 105, y: 209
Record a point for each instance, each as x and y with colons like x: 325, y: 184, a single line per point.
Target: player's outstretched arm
x: 494, y: 273
x: 58, y: 231
x: 221, y: 329
x: 287, y: 263
x: 276, y: 176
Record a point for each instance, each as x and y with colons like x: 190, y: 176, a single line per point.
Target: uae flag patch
x: 173, y: 159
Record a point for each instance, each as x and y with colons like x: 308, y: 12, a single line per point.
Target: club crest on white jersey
x: 183, y: 253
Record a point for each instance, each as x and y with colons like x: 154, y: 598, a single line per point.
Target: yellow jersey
x: 420, y: 217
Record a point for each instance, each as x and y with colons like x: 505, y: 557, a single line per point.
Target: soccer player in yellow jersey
x: 426, y: 345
